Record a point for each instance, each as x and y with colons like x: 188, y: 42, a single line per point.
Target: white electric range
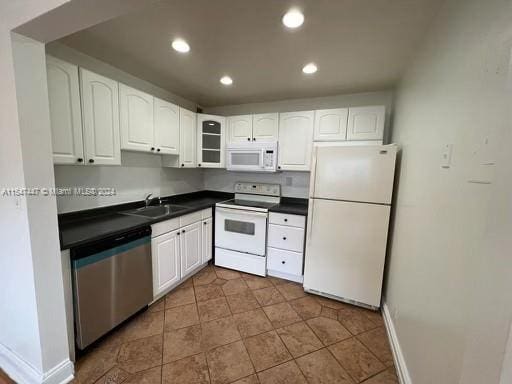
x: 241, y: 227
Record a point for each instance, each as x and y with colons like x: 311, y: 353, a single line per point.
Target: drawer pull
x: 284, y: 238
x: 285, y: 220
x: 283, y: 262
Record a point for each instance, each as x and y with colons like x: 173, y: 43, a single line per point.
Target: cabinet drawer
x: 284, y: 261
x: 283, y: 237
x: 286, y: 219
x: 190, y: 218
x: 206, y: 213
x: 164, y: 227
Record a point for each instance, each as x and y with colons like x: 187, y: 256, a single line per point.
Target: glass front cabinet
x: 210, y: 141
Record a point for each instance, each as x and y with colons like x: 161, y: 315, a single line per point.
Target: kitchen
x: 228, y: 216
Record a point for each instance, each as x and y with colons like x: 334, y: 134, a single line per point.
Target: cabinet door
x: 295, y: 140
x: 187, y: 138
x: 207, y: 244
x: 65, y: 113
x: 165, y: 252
x: 239, y: 128
x: 100, y: 114
x: 265, y: 127
x: 167, y: 127
x: 210, y: 141
x: 366, y: 123
x: 136, y: 114
x: 331, y: 124
x: 190, y: 246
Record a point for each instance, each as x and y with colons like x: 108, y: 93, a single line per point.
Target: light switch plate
x: 446, y: 157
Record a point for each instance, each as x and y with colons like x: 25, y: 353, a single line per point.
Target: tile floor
x: 222, y: 326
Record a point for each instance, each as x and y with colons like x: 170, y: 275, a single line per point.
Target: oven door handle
x: 240, y: 212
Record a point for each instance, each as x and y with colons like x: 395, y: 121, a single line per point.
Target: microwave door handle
x: 262, y: 158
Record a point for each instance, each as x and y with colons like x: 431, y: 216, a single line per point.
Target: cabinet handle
x: 178, y: 233
x: 152, y: 148
x: 199, y: 164
x: 182, y: 165
x: 253, y: 139
x: 91, y: 160
x: 284, y: 238
x: 283, y: 262
x: 183, y: 231
x: 80, y: 160
x: 248, y: 139
x: 158, y: 149
x: 204, y: 223
x: 285, y: 220
x: 278, y: 167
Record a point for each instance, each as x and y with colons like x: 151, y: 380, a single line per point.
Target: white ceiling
x: 358, y: 45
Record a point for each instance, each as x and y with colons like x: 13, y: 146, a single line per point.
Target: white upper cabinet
x: 187, y: 158
x: 265, y: 127
x: 295, y: 140
x: 136, y: 116
x: 245, y: 128
x: 210, y: 141
x: 100, y: 114
x: 366, y: 123
x: 166, y: 128
x: 65, y: 112
x: 239, y: 128
x: 331, y: 124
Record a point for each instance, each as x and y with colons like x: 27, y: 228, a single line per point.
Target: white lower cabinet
x: 207, y: 242
x: 165, y: 252
x: 190, y: 247
x: 179, y: 247
x: 285, y: 251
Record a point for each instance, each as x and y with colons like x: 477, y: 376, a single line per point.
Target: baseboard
x: 285, y: 276
x: 23, y: 372
x: 398, y: 357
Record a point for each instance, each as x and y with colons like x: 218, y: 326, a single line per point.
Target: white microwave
x: 252, y: 157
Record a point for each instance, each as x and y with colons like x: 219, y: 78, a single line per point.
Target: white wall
x: 34, y: 119
x: 448, y: 281
x: 20, y: 342
x: 139, y: 175
x: 293, y: 184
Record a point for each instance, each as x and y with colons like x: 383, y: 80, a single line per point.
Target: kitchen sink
x: 155, y: 211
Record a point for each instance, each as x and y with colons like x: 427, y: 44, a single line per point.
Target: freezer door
x: 345, y: 249
x: 353, y: 173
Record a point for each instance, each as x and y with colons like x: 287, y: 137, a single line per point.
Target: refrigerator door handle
x: 310, y: 220
x: 313, y: 172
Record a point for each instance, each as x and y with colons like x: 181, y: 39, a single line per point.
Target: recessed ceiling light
x: 226, y: 80
x: 180, y: 45
x: 293, y: 18
x: 310, y: 68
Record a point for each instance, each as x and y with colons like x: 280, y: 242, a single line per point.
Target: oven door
x: 241, y: 230
x: 244, y: 160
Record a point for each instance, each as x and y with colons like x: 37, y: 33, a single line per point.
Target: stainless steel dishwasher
x: 112, y: 280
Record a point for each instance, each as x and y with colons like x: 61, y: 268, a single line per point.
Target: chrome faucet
x: 147, y: 199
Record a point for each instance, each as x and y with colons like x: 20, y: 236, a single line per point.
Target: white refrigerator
x: 349, y: 207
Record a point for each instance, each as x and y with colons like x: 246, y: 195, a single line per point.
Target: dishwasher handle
x: 110, y: 242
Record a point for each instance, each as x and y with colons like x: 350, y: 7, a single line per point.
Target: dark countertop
x: 82, y: 227
x: 291, y: 205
